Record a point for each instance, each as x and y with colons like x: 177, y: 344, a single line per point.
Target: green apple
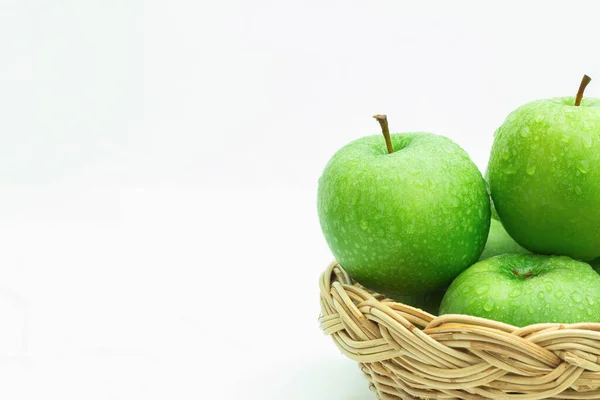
x: 499, y: 242
x: 544, y: 172
x: 407, y: 221
x: 521, y: 290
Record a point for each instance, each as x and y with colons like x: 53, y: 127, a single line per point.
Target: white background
x: 159, y: 163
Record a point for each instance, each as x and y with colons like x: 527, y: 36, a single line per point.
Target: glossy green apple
x: 407, y: 222
x: 521, y: 290
x: 500, y: 242
x: 544, y: 172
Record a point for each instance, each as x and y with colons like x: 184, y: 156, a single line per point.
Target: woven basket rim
x: 408, y: 353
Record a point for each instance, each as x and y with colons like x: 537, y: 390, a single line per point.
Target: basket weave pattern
x: 406, y: 353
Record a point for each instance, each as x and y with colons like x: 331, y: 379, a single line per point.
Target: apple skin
x: 407, y: 222
x: 544, y: 172
x: 499, y: 242
x: 559, y: 289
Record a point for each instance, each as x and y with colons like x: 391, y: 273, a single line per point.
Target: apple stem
x: 527, y: 275
x: 584, y: 82
x: 382, y: 119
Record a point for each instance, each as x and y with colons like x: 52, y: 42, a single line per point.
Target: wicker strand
x: 406, y: 353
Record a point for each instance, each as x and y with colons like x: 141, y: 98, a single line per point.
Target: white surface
x: 158, y: 169
x: 149, y: 293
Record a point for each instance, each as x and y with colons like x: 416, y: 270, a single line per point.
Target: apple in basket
x: 544, y: 175
x: 403, y: 214
x: 523, y: 290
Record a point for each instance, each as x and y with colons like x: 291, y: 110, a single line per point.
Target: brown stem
x: 382, y: 119
x: 527, y: 275
x: 584, y: 82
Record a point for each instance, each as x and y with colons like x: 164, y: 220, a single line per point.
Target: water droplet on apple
x: 565, y: 138
x: 529, y: 290
x: 525, y: 131
x: 540, y: 295
x: 530, y: 169
x: 589, y: 311
x: 364, y: 225
x: 590, y: 300
x: 583, y: 166
x: 578, y: 190
x: 587, y: 142
x: 530, y: 310
x: 559, y: 294
x: 576, y: 297
x: 482, y: 289
x: 515, y: 292
x: 488, y: 305
x: 554, y: 319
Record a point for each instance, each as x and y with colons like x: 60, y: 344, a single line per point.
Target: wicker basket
x: 406, y: 353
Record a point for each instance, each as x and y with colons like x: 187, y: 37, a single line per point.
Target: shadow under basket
x: 406, y: 353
